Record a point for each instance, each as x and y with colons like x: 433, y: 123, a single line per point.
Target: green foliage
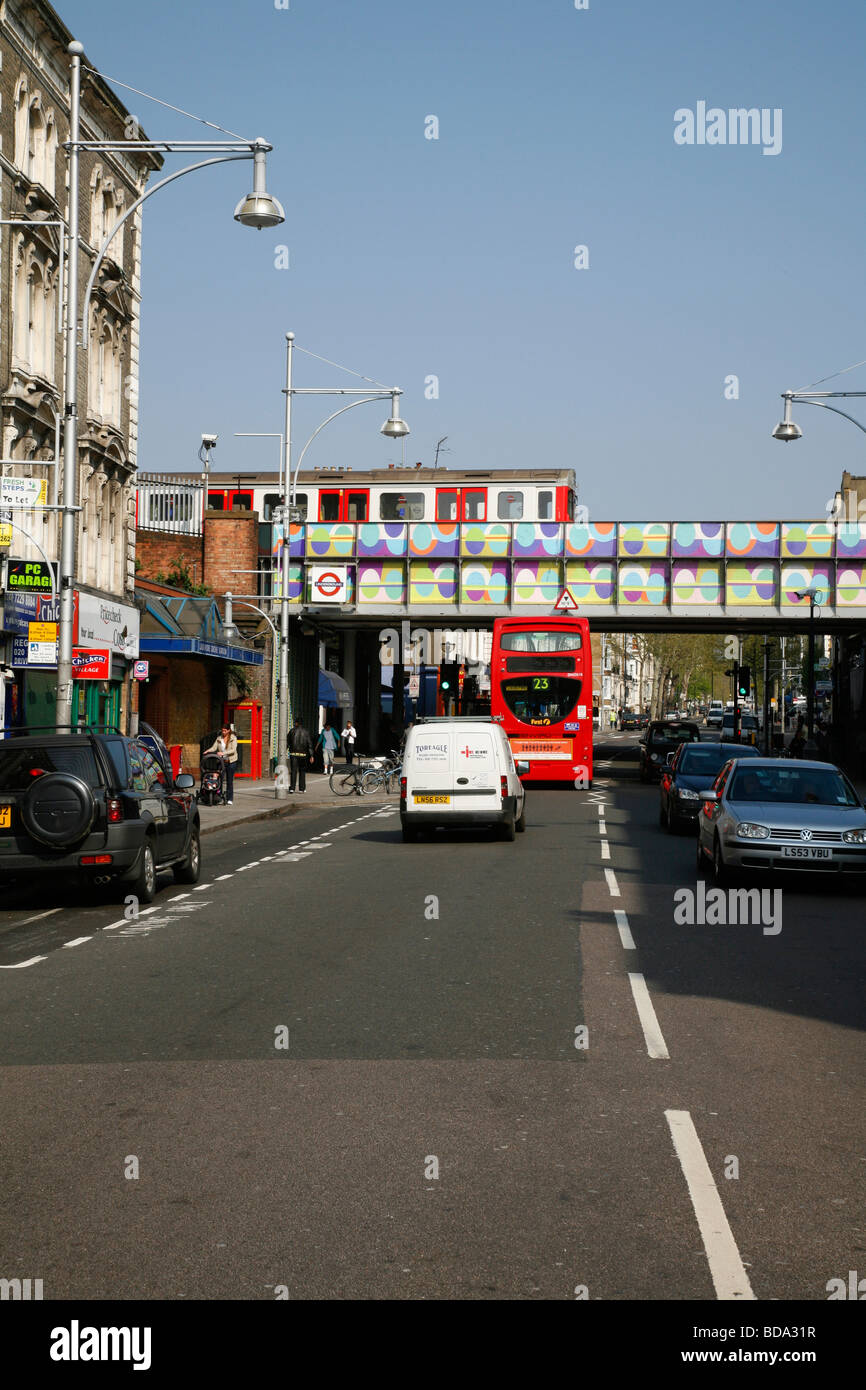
x: 179, y: 577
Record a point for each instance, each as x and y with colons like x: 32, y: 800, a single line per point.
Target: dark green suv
x: 97, y: 805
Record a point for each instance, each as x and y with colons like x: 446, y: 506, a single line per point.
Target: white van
x: 460, y: 772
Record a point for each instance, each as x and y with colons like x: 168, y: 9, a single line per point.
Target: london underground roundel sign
x: 329, y: 583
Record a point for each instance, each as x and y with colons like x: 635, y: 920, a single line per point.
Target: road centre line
x: 655, y: 1043
x: 613, y: 886
x: 726, y: 1267
x: 79, y: 940
x: 625, y: 935
x: 605, y: 849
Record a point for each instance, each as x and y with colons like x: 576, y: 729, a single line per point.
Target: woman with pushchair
x: 225, y: 746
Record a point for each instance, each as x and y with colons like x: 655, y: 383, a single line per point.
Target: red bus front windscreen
x: 541, y: 700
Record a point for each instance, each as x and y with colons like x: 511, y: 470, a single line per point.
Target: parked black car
x: 97, y: 805
x: 691, y: 772
x: 662, y: 738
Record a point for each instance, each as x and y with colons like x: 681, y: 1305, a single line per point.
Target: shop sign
x: 29, y: 576
x: 91, y: 664
x: 103, y: 622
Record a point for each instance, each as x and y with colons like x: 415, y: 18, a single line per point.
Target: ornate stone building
x: 34, y: 123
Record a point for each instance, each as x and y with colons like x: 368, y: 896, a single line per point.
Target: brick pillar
x: 231, y: 543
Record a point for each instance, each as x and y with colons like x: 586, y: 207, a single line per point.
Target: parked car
x: 772, y: 813
x: 97, y: 806
x: 688, y: 773
x: 643, y: 720
x: 748, y: 729
x: 663, y: 737
x: 460, y: 772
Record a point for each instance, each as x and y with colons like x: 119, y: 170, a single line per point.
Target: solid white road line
x: 655, y: 1043
x: 729, y: 1277
x: 612, y: 884
x: 605, y: 849
x: 625, y: 935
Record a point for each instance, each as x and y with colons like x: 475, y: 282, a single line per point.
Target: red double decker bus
x: 541, y: 692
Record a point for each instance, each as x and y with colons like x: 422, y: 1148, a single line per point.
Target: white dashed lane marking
x: 625, y: 935
x: 79, y: 941
x: 613, y: 886
x: 726, y: 1267
x: 655, y: 1043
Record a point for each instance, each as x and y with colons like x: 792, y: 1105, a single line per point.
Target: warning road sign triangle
x: 565, y: 602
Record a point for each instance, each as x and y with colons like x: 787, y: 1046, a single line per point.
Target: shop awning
x: 333, y: 691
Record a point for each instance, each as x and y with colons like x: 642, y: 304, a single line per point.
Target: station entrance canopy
x: 623, y: 575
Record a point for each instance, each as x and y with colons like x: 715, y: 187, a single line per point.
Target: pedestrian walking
x: 300, y: 754
x: 226, y: 747
x: 350, y: 734
x: 328, y: 741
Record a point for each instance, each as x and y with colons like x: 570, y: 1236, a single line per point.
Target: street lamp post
x: 393, y: 428
x: 812, y: 595
x: 257, y: 210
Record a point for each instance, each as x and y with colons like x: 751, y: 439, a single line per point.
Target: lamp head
x: 395, y: 428
x: 786, y: 430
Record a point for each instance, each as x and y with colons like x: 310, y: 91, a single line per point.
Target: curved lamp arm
x: 384, y: 397
x: 835, y: 409
x: 133, y: 207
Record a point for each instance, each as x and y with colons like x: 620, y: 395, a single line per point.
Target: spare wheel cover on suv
x: 58, y: 809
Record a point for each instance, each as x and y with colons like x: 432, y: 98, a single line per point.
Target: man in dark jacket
x: 300, y: 753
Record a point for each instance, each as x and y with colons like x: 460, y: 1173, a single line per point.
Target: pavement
x: 256, y: 800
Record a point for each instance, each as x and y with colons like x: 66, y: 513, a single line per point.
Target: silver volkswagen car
x: 780, y: 813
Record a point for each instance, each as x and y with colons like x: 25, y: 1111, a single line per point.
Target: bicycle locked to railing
x: 367, y: 775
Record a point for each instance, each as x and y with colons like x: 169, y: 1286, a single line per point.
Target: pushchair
x: 213, y: 780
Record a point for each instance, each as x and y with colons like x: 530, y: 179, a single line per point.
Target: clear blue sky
x: 454, y: 257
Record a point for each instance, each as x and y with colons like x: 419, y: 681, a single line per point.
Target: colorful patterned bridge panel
x: 648, y: 567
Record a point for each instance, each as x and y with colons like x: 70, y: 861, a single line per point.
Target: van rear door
x: 429, y: 779
x: 476, y: 771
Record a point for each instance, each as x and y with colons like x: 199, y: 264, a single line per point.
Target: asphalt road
x: 348, y: 1066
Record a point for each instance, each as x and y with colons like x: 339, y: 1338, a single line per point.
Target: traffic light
x: 744, y: 683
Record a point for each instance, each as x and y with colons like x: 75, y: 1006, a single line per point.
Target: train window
x: 356, y: 506
x: 216, y: 501
x: 242, y: 501
x: 545, y: 506
x: 272, y: 500
x: 571, y: 502
x: 510, y: 506
x: 401, y: 506
x: 329, y: 506
x: 446, y: 505
x: 301, y: 503
x: 475, y: 504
